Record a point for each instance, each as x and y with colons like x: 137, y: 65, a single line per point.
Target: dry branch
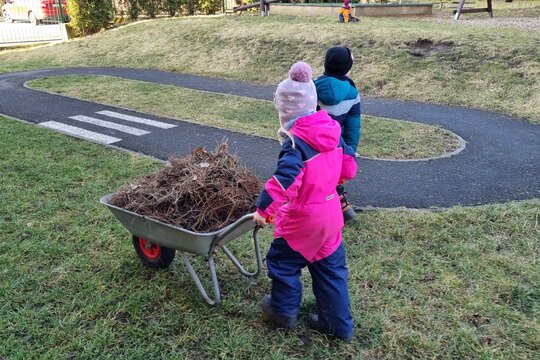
x: 201, y: 192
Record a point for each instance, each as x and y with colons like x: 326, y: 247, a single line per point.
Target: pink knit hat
x: 296, y: 96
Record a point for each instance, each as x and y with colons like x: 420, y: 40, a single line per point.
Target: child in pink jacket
x: 301, y: 196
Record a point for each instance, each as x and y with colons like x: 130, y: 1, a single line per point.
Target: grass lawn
x: 484, y: 67
x: 462, y: 283
x: 381, y: 138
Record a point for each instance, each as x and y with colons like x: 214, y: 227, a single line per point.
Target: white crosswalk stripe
x: 110, y: 125
x: 136, y: 119
x: 81, y: 133
x: 102, y: 138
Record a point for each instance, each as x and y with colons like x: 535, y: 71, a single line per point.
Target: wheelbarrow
x: 156, y: 244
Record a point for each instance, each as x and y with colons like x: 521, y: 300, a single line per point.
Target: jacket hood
x: 331, y: 90
x: 319, y: 130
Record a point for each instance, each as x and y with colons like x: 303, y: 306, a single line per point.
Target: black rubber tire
x: 162, y: 261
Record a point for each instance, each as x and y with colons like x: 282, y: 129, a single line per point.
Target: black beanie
x: 338, y: 61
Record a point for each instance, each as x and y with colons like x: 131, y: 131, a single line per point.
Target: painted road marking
x: 81, y: 133
x: 136, y: 119
x: 110, y: 125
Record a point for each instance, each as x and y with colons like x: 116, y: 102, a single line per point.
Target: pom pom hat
x: 338, y: 61
x: 296, y: 96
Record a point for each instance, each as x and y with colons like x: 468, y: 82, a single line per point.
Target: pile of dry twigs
x: 201, y: 192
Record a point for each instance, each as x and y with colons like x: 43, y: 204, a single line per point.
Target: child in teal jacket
x: 337, y: 94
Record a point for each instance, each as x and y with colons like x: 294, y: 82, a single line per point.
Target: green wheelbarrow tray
x: 185, y: 241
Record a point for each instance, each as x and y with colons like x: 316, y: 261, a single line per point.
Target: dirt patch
x: 425, y: 47
x: 201, y: 192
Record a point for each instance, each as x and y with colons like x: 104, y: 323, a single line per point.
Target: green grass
x: 488, y: 68
x: 457, y: 284
x: 381, y: 138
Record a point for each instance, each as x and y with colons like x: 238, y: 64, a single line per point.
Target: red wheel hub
x: 149, y: 249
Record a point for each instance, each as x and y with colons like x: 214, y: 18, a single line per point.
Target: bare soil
x: 425, y: 47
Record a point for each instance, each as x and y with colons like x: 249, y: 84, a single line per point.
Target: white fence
x: 31, y: 21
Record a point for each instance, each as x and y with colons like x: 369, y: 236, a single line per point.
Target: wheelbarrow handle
x: 233, y: 227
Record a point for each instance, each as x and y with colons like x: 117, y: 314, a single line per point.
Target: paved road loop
x: 501, y: 161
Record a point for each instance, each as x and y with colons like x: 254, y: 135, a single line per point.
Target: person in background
x: 301, y: 196
x: 345, y: 13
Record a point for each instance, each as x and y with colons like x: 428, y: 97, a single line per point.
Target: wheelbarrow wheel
x: 153, y: 255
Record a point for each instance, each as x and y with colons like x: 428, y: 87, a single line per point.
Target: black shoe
x: 348, y: 211
x: 269, y: 314
x: 318, y: 325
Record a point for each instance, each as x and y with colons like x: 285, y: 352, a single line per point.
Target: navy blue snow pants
x: 329, y: 279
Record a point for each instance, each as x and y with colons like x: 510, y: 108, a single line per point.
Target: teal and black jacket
x: 339, y: 97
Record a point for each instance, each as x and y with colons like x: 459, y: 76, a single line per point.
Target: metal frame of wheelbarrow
x: 185, y: 241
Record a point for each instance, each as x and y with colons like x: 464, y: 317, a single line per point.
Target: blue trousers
x: 329, y: 280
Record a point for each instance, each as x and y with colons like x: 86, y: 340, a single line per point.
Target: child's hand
x: 261, y: 221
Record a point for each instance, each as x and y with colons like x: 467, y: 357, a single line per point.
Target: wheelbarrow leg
x: 211, y: 265
x: 257, y: 255
x: 215, y: 284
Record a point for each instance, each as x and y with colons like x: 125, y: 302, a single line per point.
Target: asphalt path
x: 501, y: 161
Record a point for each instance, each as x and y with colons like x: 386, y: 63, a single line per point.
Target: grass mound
x: 472, y: 66
x: 202, y: 192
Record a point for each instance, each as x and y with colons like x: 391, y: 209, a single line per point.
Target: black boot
x: 346, y: 208
x: 279, y: 320
x: 316, y: 324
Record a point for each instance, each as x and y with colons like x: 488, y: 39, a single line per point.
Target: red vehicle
x: 35, y: 11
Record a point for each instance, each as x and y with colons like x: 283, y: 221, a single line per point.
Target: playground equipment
x: 263, y: 4
x: 460, y: 10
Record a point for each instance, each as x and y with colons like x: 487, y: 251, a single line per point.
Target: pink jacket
x: 302, y: 192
